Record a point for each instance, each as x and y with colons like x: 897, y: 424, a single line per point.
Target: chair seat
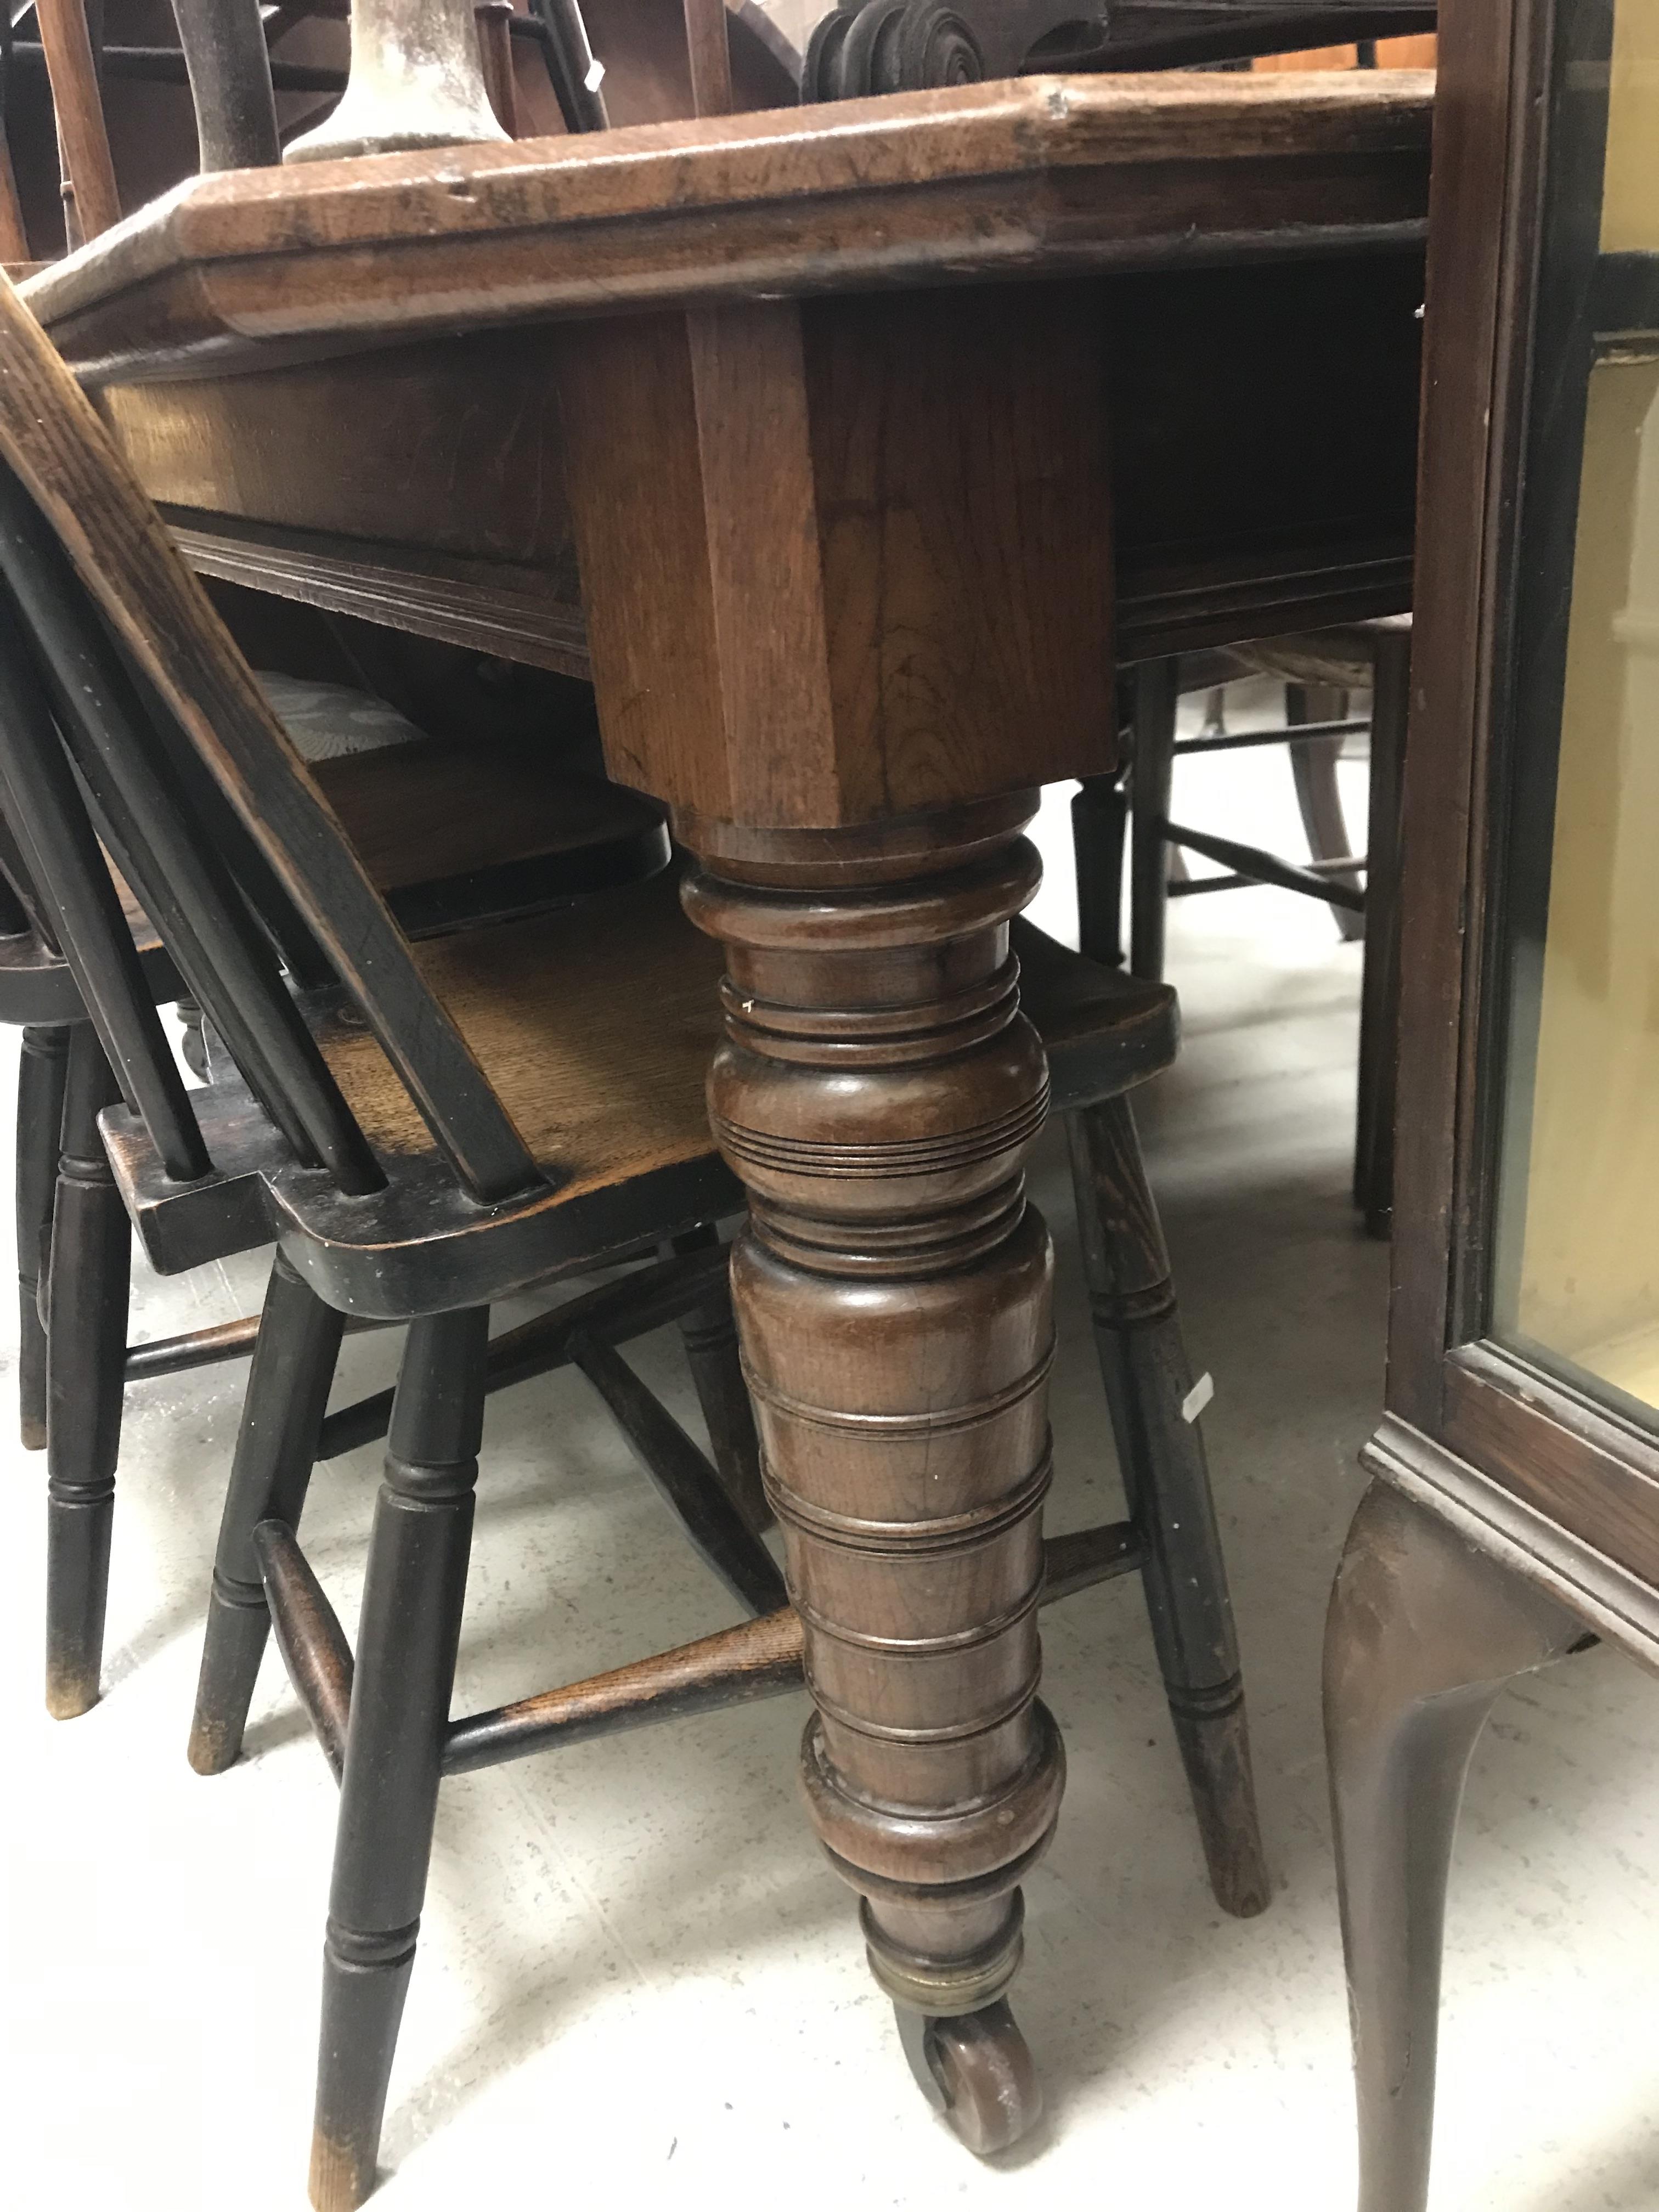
x: 456, y: 834
x: 1104, y: 1030
x: 595, y: 1024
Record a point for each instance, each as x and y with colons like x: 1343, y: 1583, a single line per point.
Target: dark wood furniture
x: 528, y: 840
x: 1318, y: 674
x: 425, y: 1128
x: 1515, y: 1509
x: 854, y: 540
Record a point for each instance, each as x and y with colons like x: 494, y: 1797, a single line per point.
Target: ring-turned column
x: 877, y: 1090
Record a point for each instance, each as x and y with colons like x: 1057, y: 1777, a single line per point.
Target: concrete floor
x: 638, y: 1984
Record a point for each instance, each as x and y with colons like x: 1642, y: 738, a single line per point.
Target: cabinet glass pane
x: 1629, y: 198
x: 1583, y: 1287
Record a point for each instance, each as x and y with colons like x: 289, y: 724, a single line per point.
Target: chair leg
x: 1379, y: 999
x: 1099, y: 820
x: 86, y: 1364
x: 41, y: 1073
x: 1161, y: 1452
x: 1154, y: 699
x: 408, y: 1635
x: 710, y: 1336
x: 1313, y: 769
x: 1424, y: 1633
x: 294, y: 1358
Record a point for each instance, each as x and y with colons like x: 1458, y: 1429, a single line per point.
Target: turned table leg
x: 877, y: 1091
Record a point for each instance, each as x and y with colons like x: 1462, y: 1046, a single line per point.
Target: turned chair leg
x: 1313, y: 769
x: 1425, y: 1632
x: 408, y: 1635
x: 709, y: 1333
x: 294, y: 1358
x: 1154, y: 702
x: 41, y: 1073
x: 1100, y: 815
x: 86, y: 1373
x: 1161, y: 1453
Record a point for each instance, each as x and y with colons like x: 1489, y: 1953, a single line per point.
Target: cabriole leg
x: 86, y: 1373
x: 1425, y: 1632
x: 876, y: 1092
x: 41, y: 1069
x: 1144, y: 1365
x: 294, y: 1357
x: 408, y: 1634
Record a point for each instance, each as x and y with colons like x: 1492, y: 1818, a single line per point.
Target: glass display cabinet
x: 1514, y: 1513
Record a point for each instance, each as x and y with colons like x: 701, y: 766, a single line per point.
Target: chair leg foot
x: 1214, y: 1738
x: 77, y: 1578
x: 365, y: 1981
x: 232, y: 1649
x: 294, y: 1360
x: 408, y: 1635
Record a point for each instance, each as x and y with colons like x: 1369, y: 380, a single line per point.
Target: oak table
x: 876, y: 434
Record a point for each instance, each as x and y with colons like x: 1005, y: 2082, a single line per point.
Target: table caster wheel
x: 976, y: 2068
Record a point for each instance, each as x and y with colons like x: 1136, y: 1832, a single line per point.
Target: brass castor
x: 976, y: 2068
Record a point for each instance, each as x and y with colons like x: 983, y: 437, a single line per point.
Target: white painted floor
x: 638, y: 1984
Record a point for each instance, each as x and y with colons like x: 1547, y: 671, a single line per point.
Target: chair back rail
x: 120, y: 547
x: 38, y: 919
x: 45, y: 806
x: 172, y: 865
x: 229, y: 68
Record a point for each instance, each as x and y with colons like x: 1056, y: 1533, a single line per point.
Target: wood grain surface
x: 1039, y: 174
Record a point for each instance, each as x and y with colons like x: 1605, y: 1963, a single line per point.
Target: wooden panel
x: 452, y: 446
x: 859, y: 566
x: 1030, y: 174
x: 1468, y: 417
x: 963, y: 510
x: 1592, y: 1476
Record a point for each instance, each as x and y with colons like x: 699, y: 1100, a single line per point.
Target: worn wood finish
x: 417, y: 79
x: 1239, y: 503
x: 42, y: 1065
x: 877, y: 1091
x: 282, y: 1417
x: 1034, y: 177
x: 1425, y: 1632
x: 760, y: 1658
x: 86, y: 1337
x: 90, y: 175
x: 309, y: 1637
x: 409, y: 1629
x: 897, y: 696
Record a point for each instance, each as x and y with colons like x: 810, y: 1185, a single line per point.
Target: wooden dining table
x: 849, y: 452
